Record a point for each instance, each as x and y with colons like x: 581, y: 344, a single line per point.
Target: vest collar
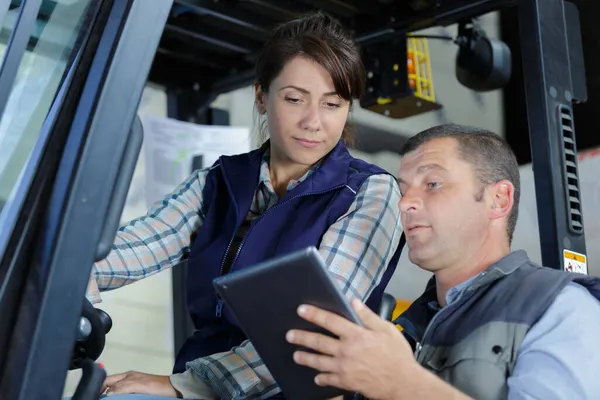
x: 418, y: 315
x: 333, y: 171
x: 242, y: 172
x: 503, y: 267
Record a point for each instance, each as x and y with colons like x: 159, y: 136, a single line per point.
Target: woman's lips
x: 309, y: 144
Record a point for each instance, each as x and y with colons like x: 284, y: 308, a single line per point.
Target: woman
x: 301, y: 188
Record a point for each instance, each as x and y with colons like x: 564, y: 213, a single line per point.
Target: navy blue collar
x: 242, y: 172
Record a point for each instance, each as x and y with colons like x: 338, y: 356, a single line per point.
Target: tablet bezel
x: 245, y: 290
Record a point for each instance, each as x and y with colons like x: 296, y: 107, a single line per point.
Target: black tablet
x: 264, y: 299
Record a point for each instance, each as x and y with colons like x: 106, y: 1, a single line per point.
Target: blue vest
x: 298, y: 220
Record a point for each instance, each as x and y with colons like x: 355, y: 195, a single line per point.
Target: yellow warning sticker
x: 575, y: 262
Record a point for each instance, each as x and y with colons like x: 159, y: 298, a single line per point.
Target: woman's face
x: 305, y: 115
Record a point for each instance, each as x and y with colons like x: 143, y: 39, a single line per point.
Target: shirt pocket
x: 479, y: 365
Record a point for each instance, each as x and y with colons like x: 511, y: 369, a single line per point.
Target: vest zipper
x: 271, y: 209
x: 435, y: 317
x: 219, y: 308
x: 418, y: 349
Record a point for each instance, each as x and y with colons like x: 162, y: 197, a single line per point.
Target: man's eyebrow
x: 422, y: 169
x: 427, y: 167
x: 302, y: 90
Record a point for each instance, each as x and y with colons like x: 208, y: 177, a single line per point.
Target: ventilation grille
x: 570, y: 169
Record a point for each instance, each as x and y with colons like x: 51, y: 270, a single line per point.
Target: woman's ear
x: 259, y: 99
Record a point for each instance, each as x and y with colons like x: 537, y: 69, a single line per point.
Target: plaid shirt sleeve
x: 154, y: 242
x: 357, y: 248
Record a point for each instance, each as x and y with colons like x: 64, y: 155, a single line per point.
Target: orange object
x: 401, y: 306
x: 411, y: 66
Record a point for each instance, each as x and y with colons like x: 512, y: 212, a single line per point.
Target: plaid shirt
x: 357, y: 248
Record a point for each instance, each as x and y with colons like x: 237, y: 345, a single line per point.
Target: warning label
x: 575, y: 262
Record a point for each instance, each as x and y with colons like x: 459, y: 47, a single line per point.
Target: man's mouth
x: 416, y: 228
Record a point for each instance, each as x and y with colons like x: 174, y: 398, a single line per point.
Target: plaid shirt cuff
x: 236, y: 381
x: 92, y: 293
x: 236, y: 374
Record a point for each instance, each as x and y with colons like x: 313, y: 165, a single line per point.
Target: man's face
x: 442, y: 217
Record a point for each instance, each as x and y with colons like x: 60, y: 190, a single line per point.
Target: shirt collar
x: 504, y: 266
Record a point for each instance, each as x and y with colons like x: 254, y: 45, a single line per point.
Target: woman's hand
x: 139, y: 383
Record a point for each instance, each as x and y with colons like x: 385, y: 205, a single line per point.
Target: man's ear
x: 503, y: 199
x: 259, y: 99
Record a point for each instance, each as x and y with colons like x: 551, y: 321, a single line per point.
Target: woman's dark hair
x: 323, y: 39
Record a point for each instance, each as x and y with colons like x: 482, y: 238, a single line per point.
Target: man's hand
x: 369, y: 360
x: 139, y: 383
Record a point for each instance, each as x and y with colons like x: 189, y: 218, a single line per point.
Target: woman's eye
x: 433, y: 185
x: 333, y: 105
x: 292, y: 100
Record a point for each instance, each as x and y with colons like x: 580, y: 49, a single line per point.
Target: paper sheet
x: 174, y: 148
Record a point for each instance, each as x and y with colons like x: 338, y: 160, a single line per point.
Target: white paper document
x: 175, y: 148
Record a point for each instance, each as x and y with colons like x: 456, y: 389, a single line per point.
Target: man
x: 491, y: 324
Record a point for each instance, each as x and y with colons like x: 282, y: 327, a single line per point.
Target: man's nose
x: 410, y: 201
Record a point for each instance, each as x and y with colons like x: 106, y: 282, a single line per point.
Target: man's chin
x: 421, y: 259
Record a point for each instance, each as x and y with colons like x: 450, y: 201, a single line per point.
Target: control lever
x: 385, y: 312
x: 92, y: 378
x: 387, y: 306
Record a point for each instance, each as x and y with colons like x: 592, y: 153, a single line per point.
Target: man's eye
x: 433, y: 185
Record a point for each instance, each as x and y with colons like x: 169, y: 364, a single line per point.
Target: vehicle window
x: 49, y: 51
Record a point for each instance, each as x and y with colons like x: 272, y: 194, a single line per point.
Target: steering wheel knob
x: 84, y: 329
x: 91, y: 335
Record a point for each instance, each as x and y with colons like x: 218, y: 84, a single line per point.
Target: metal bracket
x: 549, y: 95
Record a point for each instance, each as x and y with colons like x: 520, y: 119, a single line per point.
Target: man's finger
x: 369, y: 319
x: 316, y: 361
x: 331, y: 379
x: 316, y: 341
x: 335, y: 324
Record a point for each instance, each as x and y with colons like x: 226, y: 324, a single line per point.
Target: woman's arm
x: 151, y: 243
x: 357, y: 248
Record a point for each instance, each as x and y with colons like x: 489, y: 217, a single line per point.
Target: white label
x: 575, y: 262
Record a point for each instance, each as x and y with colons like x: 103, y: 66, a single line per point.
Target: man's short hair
x: 491, y: 156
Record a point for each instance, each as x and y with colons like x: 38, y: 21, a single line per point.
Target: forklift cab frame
x: 66, y: 195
